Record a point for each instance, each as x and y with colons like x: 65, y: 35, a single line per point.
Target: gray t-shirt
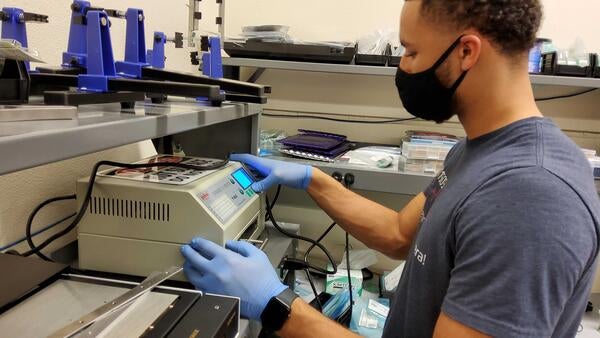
x: 508, y: 240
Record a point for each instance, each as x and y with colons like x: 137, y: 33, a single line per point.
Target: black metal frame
x: 14, y: 82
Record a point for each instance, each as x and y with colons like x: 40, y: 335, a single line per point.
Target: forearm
x: 305, y: 321
x: 378, y: 227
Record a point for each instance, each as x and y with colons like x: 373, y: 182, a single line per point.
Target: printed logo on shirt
x: 420, y: 255
x: 434, y: 190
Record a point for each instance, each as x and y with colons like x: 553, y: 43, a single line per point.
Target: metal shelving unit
x: 370, y: 179
x: 387, y: 71
x: 28, y: 144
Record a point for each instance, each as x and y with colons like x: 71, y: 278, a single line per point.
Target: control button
x: 250, y: 193
x: 232, y: 181
x: 242, y: 191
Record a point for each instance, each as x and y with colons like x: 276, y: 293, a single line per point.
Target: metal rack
x: 370, y: 179
x: 28, y: 144
x: 261, y: 65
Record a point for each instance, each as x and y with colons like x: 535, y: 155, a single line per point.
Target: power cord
x: 304, y: 265
x: 86, y: 199
x: 275, y: 199
x: 348, y: 182
x: 338, y: 120
x: 307, y: 271
x: 295, y: 264
x: 565, y: 96
x: 35, y: 211
x: 40, y: 231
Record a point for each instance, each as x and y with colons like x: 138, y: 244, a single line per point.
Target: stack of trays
x: 315, y: 145
x: 425, y: 152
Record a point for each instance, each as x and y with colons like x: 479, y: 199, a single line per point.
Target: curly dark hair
x: 511, y: 25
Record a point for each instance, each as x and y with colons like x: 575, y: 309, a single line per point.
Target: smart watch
x: 278, y: 310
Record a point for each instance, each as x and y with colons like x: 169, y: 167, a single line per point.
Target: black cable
x: 338, y: 120
x: 304, y: 239
x: 314, y: 289
x: 272, y: 206
x: 565, y: 96
x: 92, y: 180
x: 40, y: 231
x: 40, y: 206
x: 307, y: 270
x: 276, y: 197
x: 349, y: 275
x: 348, y: 181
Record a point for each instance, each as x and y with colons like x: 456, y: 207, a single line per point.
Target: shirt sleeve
x: 522, y: 242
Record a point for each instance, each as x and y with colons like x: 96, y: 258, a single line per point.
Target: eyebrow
x: 404, y: 43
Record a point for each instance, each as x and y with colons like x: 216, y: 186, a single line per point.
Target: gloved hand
x: 240, y: 270
x: 292, y: 175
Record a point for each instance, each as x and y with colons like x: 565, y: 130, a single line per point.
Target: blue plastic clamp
x: 156, y: 55
x: 14, y: 26
x: 135, y: 45
x: 76, y: 54
x: 212, y: 63
x: 100, y: 58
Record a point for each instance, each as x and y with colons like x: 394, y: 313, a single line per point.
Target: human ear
x: 469, y: 51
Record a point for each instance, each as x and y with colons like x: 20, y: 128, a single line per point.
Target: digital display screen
x: 242, y: 178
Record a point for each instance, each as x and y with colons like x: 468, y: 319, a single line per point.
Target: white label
x: 379, y: 308
x: 367, y: 321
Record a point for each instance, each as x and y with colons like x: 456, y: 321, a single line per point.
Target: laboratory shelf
x: 387, y: 71
x: 28, y: 144
x: 379, y: 180
x: 371, y: 179
x: 310, y: 66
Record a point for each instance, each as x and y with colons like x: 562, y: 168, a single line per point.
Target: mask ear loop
x: 458, y: 81
x: 462, y: 76
x: 447, y: 53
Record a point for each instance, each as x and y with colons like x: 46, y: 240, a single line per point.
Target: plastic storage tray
x: 550, y: 66
x: 426, y: 167
x: 289, y: 51
x: 371, y: 60
x: 394, y: 61
x: 425, y: 151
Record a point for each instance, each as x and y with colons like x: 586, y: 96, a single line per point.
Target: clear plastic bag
x: 360, y: 259
x: 375, y: 43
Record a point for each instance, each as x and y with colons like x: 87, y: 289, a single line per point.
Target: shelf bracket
x: 256, y: 75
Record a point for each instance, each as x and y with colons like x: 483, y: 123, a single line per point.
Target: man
x: 502, y: 243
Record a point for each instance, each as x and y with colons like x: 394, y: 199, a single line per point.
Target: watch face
x: 278, y: 310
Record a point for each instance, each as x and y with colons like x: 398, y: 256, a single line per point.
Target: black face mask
x: 424, y: 96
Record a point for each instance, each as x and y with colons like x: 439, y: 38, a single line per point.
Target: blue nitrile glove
x: 239, y: 270
x: 292, y: 175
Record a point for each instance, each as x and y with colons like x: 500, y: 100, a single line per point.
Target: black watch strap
x: 278, y: 310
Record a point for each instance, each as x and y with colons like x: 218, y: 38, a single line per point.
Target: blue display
x: 242, y: 178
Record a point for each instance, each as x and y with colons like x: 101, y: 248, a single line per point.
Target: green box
x: 339, y: 281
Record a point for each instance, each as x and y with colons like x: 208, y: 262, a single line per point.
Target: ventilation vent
x: 150, y: 211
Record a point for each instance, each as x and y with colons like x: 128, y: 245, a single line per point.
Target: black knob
x: 349, y: 180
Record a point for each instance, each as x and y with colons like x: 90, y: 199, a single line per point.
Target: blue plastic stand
x: 101, y: 63
x: 135, y: 45
x: 76, y: 54
x: 212, y: 64
x: 14, y: 27
x: 156, y: 55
